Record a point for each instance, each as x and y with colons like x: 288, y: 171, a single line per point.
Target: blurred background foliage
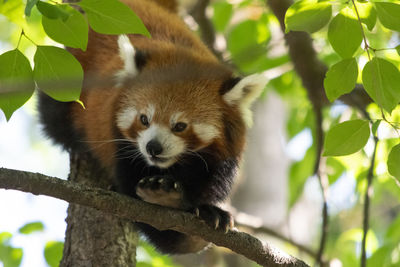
x: 249, y: 37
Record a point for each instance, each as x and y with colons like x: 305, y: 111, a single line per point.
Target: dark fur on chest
x: 205, y: 180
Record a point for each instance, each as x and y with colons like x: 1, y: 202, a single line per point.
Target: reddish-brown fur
x: 132, y: 111
x: 171, y: 42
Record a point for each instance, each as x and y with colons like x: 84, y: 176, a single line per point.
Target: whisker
x: 199, y: 156
x: 128, y: 152
x: 110, y: 141
x: 101, y: 143
x: 135, y: 156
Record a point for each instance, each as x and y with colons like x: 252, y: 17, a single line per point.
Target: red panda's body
x: 170, y: 129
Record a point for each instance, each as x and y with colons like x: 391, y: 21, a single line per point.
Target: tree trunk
x: 94, y: 238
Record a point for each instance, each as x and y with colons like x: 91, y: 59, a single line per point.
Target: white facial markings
x: 148, y: 112
x: 127, y: 53
x: 172, y: 145
x: 126, y: 117
x: 205, y: 132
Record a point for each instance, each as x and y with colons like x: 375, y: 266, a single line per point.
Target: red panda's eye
x: 179, y: 127
x: 144, y: 120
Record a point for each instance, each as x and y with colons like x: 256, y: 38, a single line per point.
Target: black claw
x: 215, y: 217
x: 160, y: 182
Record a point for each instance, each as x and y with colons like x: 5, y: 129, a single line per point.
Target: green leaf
x: 155, y: 258
x: 375, y: 127
x: 248, y: 52
x: 222, y: 14
x: 9, y: 256
x: 236, y: 43
x: 58, y: 73
x: 72, y: 32
x: 393, y: 162
x: 367, y: 14
x: 381, y: 80
x: 341, y: 78
x: 53, y: 253
x: 354, y: 237
x: 334, y: 169
x: 307, y: 15
x: 299, y: 173
x: 389, y: 15
x: 52, y: 11
x: 112, y: 17
x: 398, y: 49
x: 31, y: 227
x: 381, y: 257
x: 346, y: 138
x: 5, y: 237
x: 344, y: 33
x: 393, y: 231
x: 299, y: 119
x: 16, y: 81
x: 29, y: 5
x: 14, y: 11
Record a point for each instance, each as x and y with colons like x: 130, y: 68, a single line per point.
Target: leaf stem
x: 381, y: 49
x: 27, y: 37
x: 20, y: 37
x: 367, y: 47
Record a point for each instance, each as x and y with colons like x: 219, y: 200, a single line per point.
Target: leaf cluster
x: 379, y: 76
x: 361, y: 48
x: 11, y: 256
x: 56, y: 72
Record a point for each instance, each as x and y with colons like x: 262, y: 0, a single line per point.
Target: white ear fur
x: 127, y: 53
x: 244, y: 93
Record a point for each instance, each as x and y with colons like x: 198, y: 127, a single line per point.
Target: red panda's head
x: 178, y: 109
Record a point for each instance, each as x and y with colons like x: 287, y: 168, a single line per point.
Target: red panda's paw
x: 160, y: 190
x: 215, y: 217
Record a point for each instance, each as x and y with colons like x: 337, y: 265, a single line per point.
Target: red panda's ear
x: 132, y: 58
x: 244, y: 92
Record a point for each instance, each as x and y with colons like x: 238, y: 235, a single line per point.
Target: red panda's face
x: 174, y: 105
x: 164, y: 139
x: 168, y: 122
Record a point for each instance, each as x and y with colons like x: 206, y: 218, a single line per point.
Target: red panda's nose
x: 154, y: 148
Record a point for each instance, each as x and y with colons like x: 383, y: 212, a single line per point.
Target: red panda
x: 172, y: 125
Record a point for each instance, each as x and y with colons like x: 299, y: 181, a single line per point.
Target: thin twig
x: 319, y: 171
x: 367, y: 199
x: 20, y: 37
x: 362, y: 30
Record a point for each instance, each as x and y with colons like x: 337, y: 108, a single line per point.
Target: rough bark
x: 135, y: 210
x: 93, y: 237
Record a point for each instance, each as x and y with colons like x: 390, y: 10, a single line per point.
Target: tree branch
x: 198, y: 12
x: 160, y: 217
x: 368, y: 195
x: 248, y: 224
x: 319, y: 171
